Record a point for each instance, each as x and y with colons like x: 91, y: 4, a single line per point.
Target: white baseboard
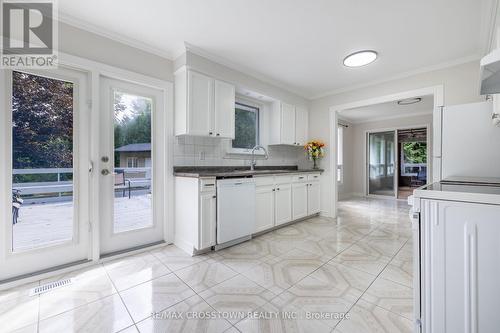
x: 184, y: 246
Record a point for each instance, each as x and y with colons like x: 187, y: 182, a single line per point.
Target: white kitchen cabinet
x: 200, y: 103
x: 283, y: 202
x: 301, y: 126
x: 208, y: 219
x: 264, y: 217
x: 313, y: 198
x: 289, y: 125
x: 204, y: 106
x: 299, y: 200
x: 224, y: 109
x: 195, y: 213
x: 460, y: 267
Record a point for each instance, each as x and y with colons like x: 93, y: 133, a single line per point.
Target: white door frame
x: 112, y: 242
x: 25, y: 262
x: 95, y: 71
x: 396, y: 181
x: 438, y: 93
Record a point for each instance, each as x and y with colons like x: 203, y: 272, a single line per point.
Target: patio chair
x: 16, y: 205
x: 121, y: 183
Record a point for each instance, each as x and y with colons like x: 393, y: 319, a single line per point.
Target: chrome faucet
x: 254, y: 162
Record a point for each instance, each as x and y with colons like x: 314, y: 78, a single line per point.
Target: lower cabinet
x: 299, y: 200
x: 280, y: 200
x: 264, y: 202
x: 283, y: 202
x: 195, y: 213
x: 313, y: 198
x: 208, y: 219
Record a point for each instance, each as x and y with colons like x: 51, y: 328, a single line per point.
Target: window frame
x: 253, y: 107
x: 133, y: 159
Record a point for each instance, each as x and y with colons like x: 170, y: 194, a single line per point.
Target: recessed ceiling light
x: 409, y: 101
x: 360, y: 58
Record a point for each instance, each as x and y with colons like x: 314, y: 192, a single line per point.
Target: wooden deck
x: 45, y: 224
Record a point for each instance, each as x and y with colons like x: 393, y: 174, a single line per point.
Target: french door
x: 381, y: 156
x: 44, y: 170
x: 131, y: 166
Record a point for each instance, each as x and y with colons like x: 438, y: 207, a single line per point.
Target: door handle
x: 105, y: 172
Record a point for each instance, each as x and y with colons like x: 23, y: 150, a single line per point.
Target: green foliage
x: 132, y: 121
x: 245, y: 129
x: 42, y: 116
x: 415, y: 152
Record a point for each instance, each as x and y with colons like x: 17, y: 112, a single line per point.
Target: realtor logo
x: 29, y: 34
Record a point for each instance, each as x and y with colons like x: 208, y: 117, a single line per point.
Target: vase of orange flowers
x: 315, y: 151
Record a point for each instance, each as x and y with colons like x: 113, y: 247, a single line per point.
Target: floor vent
x: 50, y: 286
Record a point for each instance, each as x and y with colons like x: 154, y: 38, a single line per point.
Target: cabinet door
x: 200, y: 104
x: 313, y: 198
x: 299, y: 200
x: 264, y: 217
x: 208, y: 220
x: 301, y: 126
x: 462, y: 261
x: 283, y: 202
x: 224, y: 109
x: 287, y: 124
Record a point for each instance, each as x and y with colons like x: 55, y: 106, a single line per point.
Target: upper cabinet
x: 289, y: 125
x: 301, y: 126
x: 224, y: 109
x: 204, y: 106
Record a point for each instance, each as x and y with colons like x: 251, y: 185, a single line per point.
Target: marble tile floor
x: 349, y: 275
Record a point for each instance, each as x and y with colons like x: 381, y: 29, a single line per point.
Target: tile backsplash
x: 201, y: 151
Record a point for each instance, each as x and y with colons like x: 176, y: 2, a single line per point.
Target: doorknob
x: 105, y: 159
x: 105, y: 172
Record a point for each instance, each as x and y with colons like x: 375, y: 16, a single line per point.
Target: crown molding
x: 448, y: 64
x: 80, y: 24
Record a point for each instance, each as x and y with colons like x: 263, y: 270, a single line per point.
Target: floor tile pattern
x: 350, y: 274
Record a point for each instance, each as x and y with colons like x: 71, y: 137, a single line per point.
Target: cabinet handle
x: 214, y: 197
x: 274, y: 189
x: 301, y: 177
x: 278, y: 189
x: 210, y: 133
x: 218, y: 134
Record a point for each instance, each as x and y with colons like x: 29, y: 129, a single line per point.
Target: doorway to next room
x: 412, y: 154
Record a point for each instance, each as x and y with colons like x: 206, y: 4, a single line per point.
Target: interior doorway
x: 412, y: 157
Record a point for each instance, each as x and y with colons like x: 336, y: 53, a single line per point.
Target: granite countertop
x: 224, y: 171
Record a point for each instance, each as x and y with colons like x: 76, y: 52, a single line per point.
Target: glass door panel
x: 45, y: 171
x: 381, y: 163
x: 132, y: 157
x: 42, y: 156
x: 132, y: 166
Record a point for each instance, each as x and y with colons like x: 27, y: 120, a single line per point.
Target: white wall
x: 461, y: 85
x: 85, y: 44
x: 357, y: 147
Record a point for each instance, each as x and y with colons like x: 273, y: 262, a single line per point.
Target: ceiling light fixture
x: 360, y: 58
x: 409, y: 101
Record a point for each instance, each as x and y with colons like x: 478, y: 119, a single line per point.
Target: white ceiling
x: 298, y: 43
x: 387, y: 110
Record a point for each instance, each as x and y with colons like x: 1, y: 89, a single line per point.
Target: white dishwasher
x: 235, y: 208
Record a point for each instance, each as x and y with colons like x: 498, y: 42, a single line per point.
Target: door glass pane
x: 133, y: 162
x: 381, y: 154
x: 42, y: 175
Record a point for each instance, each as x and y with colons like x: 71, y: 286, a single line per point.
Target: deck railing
x: 140, y: 178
